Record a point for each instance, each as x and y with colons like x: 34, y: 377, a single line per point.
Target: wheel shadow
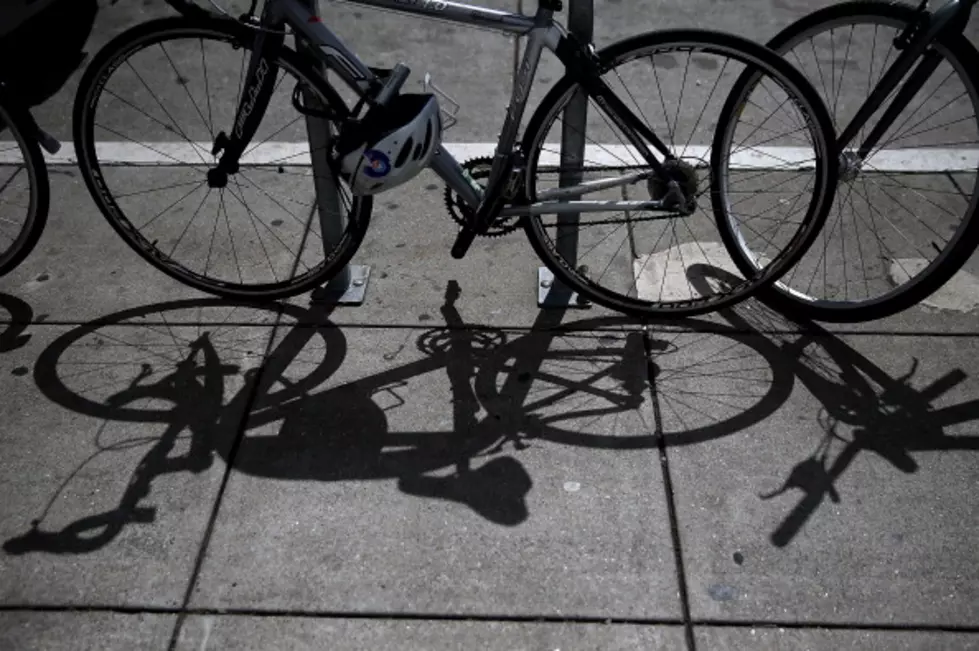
x: 864, y: 409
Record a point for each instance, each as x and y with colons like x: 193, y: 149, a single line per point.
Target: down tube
x: 448, y: 168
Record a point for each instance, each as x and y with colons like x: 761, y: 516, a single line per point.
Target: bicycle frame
x: 541, y: 31
x: 954, y: 14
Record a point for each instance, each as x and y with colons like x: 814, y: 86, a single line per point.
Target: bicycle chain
x: 461, y: 212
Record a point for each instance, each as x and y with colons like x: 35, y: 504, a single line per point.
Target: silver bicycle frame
x: 541, y: 32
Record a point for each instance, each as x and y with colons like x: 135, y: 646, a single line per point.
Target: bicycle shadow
x: 298, y: 427
x: 286, y: 421
x: 882, y: 414
x: 56, y: 35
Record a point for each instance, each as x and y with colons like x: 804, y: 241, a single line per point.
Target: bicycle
x: 24, y: 190
x: 929, y: 127
x: 344, y: 101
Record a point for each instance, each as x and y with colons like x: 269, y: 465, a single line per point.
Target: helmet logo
x: 378, y: 164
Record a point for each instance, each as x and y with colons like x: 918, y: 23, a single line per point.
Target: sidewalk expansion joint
x: 681, y: 575
x: 915, y: 627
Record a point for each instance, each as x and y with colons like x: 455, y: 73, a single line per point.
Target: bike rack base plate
x: 551, y: 293
x: 349, y: 290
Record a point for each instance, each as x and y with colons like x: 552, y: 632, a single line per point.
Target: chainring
x: 459, y: 210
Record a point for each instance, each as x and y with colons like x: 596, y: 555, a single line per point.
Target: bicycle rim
x: 898, y: 230
x: 285, y: 252
x: 24, y: 193
x: 649, y: 282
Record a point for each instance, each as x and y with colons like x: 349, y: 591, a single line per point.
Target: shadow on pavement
x: 163, y: 365
x: 883, y: 415
x: 38, y: 56
x: 19, y: 315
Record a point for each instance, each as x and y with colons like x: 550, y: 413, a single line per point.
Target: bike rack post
x: 349, y: 286
x: 551, y: 292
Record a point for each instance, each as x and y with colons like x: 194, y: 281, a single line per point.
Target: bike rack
x: 551, y: 292
x: 349, y: 286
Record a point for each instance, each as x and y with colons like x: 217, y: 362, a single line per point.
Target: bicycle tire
x: 964, y: 59
x: 706, y: 40
x: 15, y: 118
x: 113, y: 55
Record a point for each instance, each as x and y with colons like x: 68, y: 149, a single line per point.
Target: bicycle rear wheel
x: 147, y: 113
x: 642, y: 262
x: 24, y: 191
x: 905, y: 219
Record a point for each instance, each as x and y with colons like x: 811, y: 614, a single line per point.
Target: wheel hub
x: 850, y: 166
x: 684, y: 174
x: 217, y: 178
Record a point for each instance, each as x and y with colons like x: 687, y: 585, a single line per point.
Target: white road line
x: 923, y: 160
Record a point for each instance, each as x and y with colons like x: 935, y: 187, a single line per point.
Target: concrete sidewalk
x: 439, y: 472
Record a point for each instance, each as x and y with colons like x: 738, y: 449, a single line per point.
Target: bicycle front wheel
x: 646, y: 263
x: 24, y: 192
x: 147, y: 115
x: 904, y: 221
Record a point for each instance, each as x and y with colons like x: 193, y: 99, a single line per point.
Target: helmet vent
x: 428, y: 137
x: 403, y: 154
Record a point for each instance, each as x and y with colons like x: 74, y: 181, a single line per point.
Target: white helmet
x: 391, y: 144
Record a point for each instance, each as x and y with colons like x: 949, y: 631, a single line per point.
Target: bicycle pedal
x: 463, y: 242
x: 50, y: 144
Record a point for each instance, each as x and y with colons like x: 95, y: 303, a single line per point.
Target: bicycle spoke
x: 916, y: 191
x: 669, y: 129
x: 163, y: 108
x: 231, y: 237
x: 160, y: 189
x: 683, y: 86
x: 856, y: 230
x: 905, y: 209
x: 846, y: 56
x: 187, y: 227
x: 889, y: 222
x: 254, y: 218
x: 700, y: 116
x: 214, y: 231
x: 182, y: 81
x: 165, y: 210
